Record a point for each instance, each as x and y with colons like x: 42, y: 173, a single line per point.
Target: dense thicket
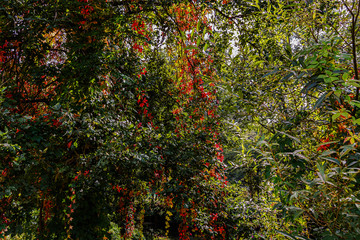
x: 105, y: 119
x: 223, y: 119
x: 293, y: 87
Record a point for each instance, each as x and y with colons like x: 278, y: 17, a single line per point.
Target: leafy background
x: 179, y: 119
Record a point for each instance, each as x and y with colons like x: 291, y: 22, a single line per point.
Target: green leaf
x: 57, y: 107
x: 192, y: 35
x: 287, y: 76
x: 327, y: 152
x: 206, y: 46
x: 198, y: 41
x: 352, y: 82
x: 198, y: 26
x: 331, y: 159
x: 286, y: 234
x: 346, y: 149
x: 355, y: 103
x: 314, y: 213
x: 321, y: 173
x: 357, y: 121
x: 345, y: 76
x: 189, y: 47
x: 338, y: 92
x: 326, y: 143
x: 204, y: 32
x: 270, y: 73
x: 321, y: 99
x: 296, y: 211
x: 292, y: 137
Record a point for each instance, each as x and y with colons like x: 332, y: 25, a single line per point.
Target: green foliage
x: 100, y: 113
x: 289, y: 82
x: 228, y: 119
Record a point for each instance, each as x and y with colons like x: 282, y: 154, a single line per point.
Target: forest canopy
x: 174, y: 119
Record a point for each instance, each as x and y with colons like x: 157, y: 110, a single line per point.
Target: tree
x: 294, y: 81
x: 105, y: 105
x: 112, y: 111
